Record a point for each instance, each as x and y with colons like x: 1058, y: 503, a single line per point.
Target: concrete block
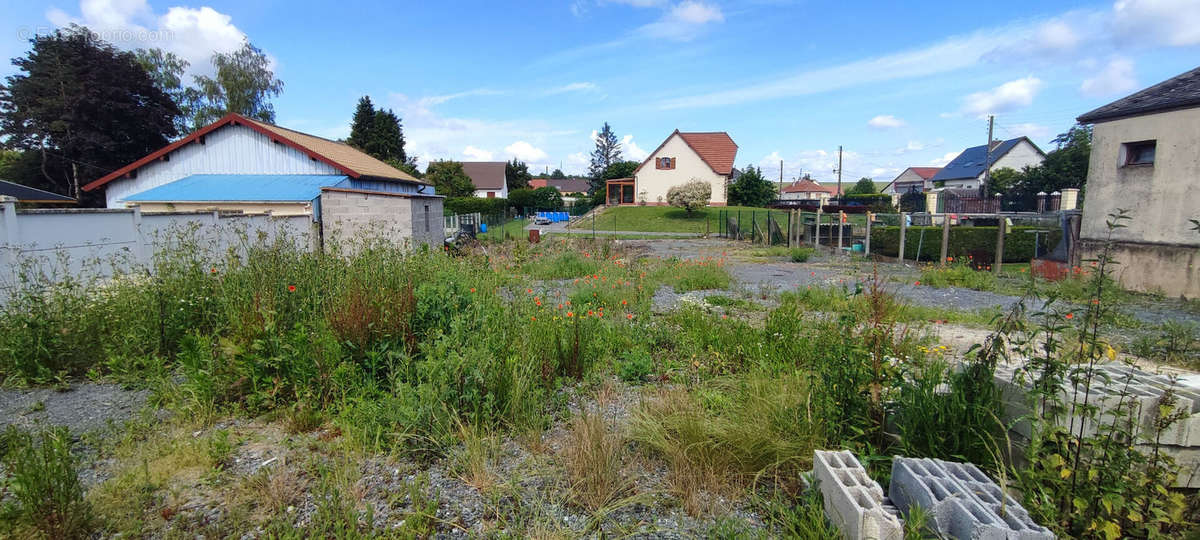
x: 963, y: 502
x: 854, y: 502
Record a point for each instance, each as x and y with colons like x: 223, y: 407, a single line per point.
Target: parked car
x: 542, y: 220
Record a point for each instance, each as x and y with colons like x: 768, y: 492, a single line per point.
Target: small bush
x: 471, y: 205
x: 958, y: 274
x: 802, y: 254
x: 44, y: 482
x: 691, y: 196
x: 634, y: 366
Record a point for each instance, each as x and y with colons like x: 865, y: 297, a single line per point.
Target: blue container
x: 483, y: 227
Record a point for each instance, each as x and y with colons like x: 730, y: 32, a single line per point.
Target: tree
x: 1004, y: 180
x: 620, y: 169
x: 378, y: 133
x: 82, y: 108
x: 751, y: 189
x: 558, y: 174
x: 544, y: 198
x: 864, y: 186
x: 516, y: 174
x: 449, y: 179
x: 607, y: 152
x: 1064, y: 167
x: 691, y: 196
x: 362, y: 124
x: 166, y: 70
x: 244, y: 84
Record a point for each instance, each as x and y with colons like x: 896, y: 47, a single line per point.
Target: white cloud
x: 1056, y: 36
x: 1115, y: 78
x: 1163, y: 22
x: 476, y: 154
x: 885, y: 121
x: 946, y: 158
x: 684, y: 21
x: 631, y: 150
x: 193, y: 34
x: 525, y: 152
x: 430, y: 101
x: 577, y: 162
x: 1006, y: 97
x: 572, y: 87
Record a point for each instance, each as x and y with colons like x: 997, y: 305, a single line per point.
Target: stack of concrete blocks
x: 962, y: 502
x: 854, y: 502
x: 1143, y: 390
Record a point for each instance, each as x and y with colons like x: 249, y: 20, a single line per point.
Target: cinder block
x: 854, y: 502
x: 963, y: 502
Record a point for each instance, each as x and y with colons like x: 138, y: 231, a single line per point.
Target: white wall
x: 500, y: 193
x: 908, y: 176
x: 653, y: 183
x: 228, y: 150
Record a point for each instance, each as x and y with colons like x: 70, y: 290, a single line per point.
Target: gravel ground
x: 85, y: 407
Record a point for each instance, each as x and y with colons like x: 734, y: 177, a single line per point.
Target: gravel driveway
x: 85, y: 407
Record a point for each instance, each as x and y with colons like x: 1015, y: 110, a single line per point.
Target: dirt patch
x: 84, y: 407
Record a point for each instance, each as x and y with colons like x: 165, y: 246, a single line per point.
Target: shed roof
x: 1180, y: 91
x: 28, y: 194
x: 240, y: 188
x: 969, y: 164
x: 341, y: 156
x: 486, y: 174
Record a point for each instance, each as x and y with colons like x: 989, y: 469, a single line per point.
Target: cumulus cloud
x: 1056, y: 36
x: 476, y: 154
x: 1031, y: 130
x: 525, y: 152
x: 193, y: 34
x: 631, y: 150
x: 885, y: 121
x: 684, y: 21
x: 1115, y: 78
x: 1006, y: 97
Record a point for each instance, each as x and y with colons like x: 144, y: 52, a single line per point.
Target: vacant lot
x: 571, y: 388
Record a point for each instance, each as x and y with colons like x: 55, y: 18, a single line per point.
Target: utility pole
x: 781, y: 179
x: 987, y: 161
x: 839, y: 171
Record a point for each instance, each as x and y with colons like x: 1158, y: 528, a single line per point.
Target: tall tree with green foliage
x: 362, y: 124
x: 864, y: 186
x: 752, y: 189
x: 620, y: 169
x: 449, y: 179
x: 607, y: 152
x: 378, y: 132
x: 516, y: 174
x: 244, y: 84
x: 558, y: 174
x: 166, y: 70
x: 83, y: 108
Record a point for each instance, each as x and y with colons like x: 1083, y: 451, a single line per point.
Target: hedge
x: 1018, y: 244
x: 471, y: 205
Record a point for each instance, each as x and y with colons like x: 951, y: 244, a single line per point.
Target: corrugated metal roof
x: 240, y: 187
x: 969, y: 164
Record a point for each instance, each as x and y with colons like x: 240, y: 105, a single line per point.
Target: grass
x: 663, y: 219
x: 593, y: 458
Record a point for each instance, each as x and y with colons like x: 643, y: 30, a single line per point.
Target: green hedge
x: 1018, y: 244
x: 470, y: 205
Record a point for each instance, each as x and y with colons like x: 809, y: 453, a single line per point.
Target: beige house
x: 1146, y: 159
x: 681, y: 158
x: 966, y: 170
x: 807, y: 189
x: 913, y: 179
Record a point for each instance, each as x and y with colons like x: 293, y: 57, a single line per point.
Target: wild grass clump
x: 565, y: 265
x: 694, y: 275
x: 801, y: 254
x: 958, y: 274
x: 41, y: 475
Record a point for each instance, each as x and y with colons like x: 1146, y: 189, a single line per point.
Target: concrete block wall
x: 352, y: 217
x: 1145, y: 391
x: 962, y: 501
x: 854, y: 502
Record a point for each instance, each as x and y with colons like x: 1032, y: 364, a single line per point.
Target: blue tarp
x: 240, y: 187
x: 555, y: 217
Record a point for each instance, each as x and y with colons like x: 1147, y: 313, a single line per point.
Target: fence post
x: 841, y: 225
x: 945, y: 238
x: 867, y: 241
x: 903, y: 228
x: 12, y: 240
x: 789, y: 233
x: 139, y: 240
x: 998, y: 260
x: 817, y: 239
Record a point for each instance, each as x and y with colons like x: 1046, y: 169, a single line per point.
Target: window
x: 665, y: 163
x: 1139, y: 153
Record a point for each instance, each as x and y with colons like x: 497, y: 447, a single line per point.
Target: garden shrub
x: 634, y: 366
x: 1018, y: 244
x: 802, y: 254
x: 472, y: 205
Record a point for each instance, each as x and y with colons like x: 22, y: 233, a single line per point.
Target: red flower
x: 533, y: 318
x: 570, y: 313
x: 917, y: 283
x: 1070, y: 316
x: 589, y: 312
x: 539, y: 303
x: 560, y: 306
x: 291, y: 288
x: 214, y: 270
x: 472, y: 289
x: 530, y: 291
x: 629, y: 316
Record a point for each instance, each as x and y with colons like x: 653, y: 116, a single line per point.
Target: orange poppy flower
x: 291, y: 288
x: 472, y: 289
x: 1070, y: 316
x: 917, y: 283
x: 533, y: 318
x: 570, y: 313
x: 629, y: 316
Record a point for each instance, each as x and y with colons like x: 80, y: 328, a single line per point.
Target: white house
x: 1144, y: 159
x: 913, y: 179
x: 488, y: 177
x: 681, y: 158
x: 966, y: 170
x: 807, y: 189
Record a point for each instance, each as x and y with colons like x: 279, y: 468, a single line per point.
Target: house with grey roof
x: 1146, y: 159
x: 966, y: 169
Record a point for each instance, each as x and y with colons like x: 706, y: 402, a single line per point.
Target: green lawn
x: 670, y: 219
x: 514, y: 228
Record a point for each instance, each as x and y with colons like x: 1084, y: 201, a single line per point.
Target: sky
x: 896, y: 84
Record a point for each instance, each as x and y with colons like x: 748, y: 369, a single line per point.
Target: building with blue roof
x: 966, y: 170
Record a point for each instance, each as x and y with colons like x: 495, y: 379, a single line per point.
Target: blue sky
x: 897, y: 84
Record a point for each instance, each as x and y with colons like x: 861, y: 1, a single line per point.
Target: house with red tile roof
x: 918, y: 179
x: 681, y: 158
x: 806, y: 189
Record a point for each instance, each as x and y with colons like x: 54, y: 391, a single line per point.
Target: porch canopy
x: 619, y: 191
